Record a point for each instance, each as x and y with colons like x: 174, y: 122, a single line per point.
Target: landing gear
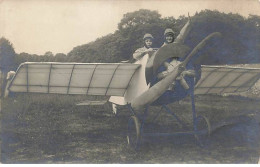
x: 201, y: 126
x: 133, y: 132
x: 202, y: 130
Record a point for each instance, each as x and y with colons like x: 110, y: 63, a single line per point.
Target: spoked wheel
x: 133, y: 132
x: 203, y: 131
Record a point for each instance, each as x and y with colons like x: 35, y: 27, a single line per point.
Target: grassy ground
x: 52, y: 129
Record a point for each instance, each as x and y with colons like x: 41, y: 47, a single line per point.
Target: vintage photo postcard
x: 130, y: 82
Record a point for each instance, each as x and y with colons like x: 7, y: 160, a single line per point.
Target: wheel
x: 203, y: 130
x: 133, y: 132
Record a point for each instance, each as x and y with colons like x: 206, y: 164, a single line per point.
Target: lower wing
x: 110, y: 79
x: 226, y: 79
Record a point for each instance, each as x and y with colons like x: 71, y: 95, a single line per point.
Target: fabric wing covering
x: 226, y: 79
x: 74, y: 78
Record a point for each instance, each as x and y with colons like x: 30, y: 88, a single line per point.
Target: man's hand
x: 149, y: 50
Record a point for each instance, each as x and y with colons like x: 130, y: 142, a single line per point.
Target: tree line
x: 240, y: 42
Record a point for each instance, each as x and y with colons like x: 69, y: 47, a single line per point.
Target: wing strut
x: 112, y: 78
x: 130, y: 81
x: 27, y: 78
x: 49, y: 80
x: 70, y: 78
x: 91, y: 78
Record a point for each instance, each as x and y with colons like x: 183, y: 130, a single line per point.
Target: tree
x: 134, y: 25
x: 48, y: 54
x: 60, y: 57
x: 143, y: 16
x: 7, y: 55
x: 240, y: 42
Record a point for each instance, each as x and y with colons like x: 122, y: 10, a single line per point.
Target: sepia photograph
x: 130, y: 82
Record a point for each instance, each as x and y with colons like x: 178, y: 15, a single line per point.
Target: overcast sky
x: 37, y: 26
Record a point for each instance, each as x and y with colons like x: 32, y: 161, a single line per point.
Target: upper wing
x: 73, y: 78
x: 226, y: 79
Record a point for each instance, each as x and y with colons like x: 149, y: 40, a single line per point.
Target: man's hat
x: 148, y: 36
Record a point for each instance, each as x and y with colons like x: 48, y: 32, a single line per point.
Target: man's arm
x: 139, y: 53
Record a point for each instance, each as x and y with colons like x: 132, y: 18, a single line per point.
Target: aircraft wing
x: 110, y: 79
x: 226, y: 79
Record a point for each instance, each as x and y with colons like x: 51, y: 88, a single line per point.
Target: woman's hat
x: 169, y: 31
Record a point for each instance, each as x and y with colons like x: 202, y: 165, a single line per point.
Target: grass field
x: 52, y: 129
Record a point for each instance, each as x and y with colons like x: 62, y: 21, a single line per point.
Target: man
x: 148, y: 42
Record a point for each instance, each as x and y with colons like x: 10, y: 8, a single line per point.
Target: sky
x: 38, y: 26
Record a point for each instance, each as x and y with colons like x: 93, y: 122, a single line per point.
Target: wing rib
x: 70, y: 78
x: 91, y: 78
x: 27, y: 78
x: 219, y: 80
x: 111, y: 78
x: 49, y: 79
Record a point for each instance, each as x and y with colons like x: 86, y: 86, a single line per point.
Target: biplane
x: 137, y: 86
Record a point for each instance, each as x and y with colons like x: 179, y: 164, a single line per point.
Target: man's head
x: 148, y: 40
x: 169, y: 35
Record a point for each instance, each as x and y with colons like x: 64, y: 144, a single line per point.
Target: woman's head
x: 148, y: 40
x: 169, y: 35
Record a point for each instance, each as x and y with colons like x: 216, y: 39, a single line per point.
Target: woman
x: 168, y: 36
